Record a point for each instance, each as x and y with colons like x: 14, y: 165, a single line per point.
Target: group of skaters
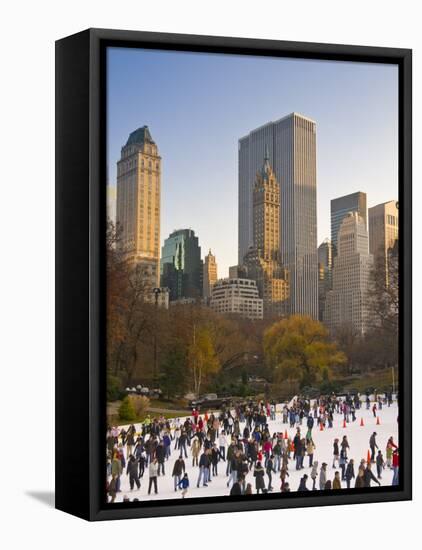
x: 239, y: 442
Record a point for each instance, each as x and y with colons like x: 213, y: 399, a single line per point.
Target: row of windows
x: 392, y: 220
x: 253, y: 301
x: 130, y: 165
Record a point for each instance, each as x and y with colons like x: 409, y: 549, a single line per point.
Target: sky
x: 198, y: 105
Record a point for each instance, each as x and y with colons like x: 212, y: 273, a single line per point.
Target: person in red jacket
x: 391, y: 442
x: 267, y: 448
x: 395, y: 467
x: 374, y: 410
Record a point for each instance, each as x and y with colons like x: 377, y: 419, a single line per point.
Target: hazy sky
x: 197, y: 106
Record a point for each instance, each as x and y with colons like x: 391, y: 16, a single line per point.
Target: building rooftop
x: 140, y: 136
x: 273, y: 122
x: 235, y: 281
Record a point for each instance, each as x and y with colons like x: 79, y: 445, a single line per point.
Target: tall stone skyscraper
x: 325, y: 264
x: 263, y: 259
x: 347, y: 303
x: 291, y: 143
x: 340, y: 208
x: 138, y: 202
x: 383, y: 222
x: 209, y: 275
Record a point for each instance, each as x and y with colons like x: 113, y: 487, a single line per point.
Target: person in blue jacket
x: 184, y: 485
x: 167, y: 445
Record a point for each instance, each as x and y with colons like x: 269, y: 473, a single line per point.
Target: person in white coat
x: 222, y: 442
x: 153, y: 473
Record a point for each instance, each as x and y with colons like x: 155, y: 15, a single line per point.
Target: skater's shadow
x: 45, y: 497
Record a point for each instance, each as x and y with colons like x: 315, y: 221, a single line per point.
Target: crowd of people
x: 238, y: 442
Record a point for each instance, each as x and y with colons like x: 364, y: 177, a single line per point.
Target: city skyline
x: 356, y: 147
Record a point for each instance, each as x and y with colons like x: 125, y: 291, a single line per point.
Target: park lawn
x: 156, y: 408
x: 379, y: 379
x: 177, y: 405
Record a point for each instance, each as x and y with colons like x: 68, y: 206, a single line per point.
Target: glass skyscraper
x: 291, y: 146
x: 181, y: 265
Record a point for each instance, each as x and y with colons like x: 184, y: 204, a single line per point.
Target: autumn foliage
x: 298, y: 348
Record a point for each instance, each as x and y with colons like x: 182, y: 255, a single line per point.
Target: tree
x: 352, y: 343
x: 383, y: 295
x: 138, y: 323
x: 202, y: 357
x: 116, y: 288
x: 114, y: 387
x: 383, y: 298
x: 173, y: 372
x: 298, y: 348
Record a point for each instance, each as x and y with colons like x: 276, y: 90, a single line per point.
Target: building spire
x: 266, y: 169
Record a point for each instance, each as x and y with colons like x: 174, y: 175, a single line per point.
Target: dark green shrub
x: 114, y: 388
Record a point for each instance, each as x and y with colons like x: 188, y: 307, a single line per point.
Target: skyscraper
x: 291, y: 144
x: 383, y: 222
x: 209, y: 275
x: 347, y: 303
x: 325, y: 264
x: 263, y: 259
x: 181, y: 265
x: 340, y: 207
x: 138, y: 201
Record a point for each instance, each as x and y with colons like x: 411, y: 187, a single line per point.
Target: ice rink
x: 358, y: 437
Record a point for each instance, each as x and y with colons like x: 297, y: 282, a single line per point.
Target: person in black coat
x: 183, y: 438
x: 270, y: 469
x: 179, y: 468
x: 236, y: 489
x: 380, y: 464
x: 297, y: 445
x: 350, y: 473
x: 368, y: 476
x: 252, y: 453
x: 215, y: 458
x: 132, y: 472
x: 302, y: 484
x: 373, y: 445
x: 259, y: 474
x: 204, y: 468
x: 336, y: 453
x: 160, y: 455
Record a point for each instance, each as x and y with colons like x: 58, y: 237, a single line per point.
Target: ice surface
x: 357, y: 435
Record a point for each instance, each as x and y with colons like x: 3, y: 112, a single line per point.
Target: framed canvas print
x: 233, y: 274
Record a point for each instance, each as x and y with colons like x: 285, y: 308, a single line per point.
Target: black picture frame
x: 80, y: 270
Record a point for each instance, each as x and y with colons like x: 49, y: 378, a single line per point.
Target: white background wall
x: 29, y: 29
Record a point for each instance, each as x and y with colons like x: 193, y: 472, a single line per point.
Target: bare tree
x: 383, y: 298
